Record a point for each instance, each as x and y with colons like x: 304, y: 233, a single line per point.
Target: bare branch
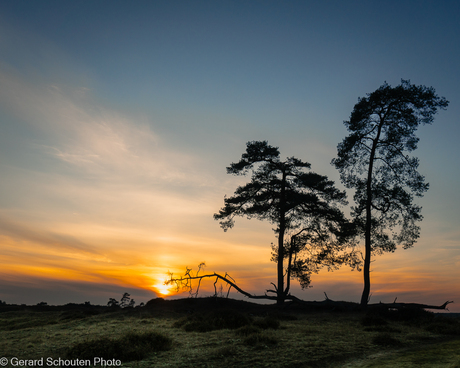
x: 185, y: 282
x: 327, y: 303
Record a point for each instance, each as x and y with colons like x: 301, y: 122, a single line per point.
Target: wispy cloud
x: 117, y: 183
x: 25, y: 232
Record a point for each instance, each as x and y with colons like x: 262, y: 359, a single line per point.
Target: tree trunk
x: 282, y: 221
x: 367, y: 236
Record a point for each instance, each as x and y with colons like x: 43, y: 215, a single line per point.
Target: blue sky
x: 118, y: 119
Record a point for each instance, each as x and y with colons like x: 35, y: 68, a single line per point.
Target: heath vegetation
x: 219, y: 332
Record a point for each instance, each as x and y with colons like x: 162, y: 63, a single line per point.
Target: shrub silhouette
x: 260, y: 340
x: 411, y: 315
x: 267, y: 322
x: 385, y: 339
x: 225, y: 351
x: 444, y: 326
x: 408, y: 315
x: 373, y: 319
x: 131, y: 346
x: 283, y: 316
x: 247, y: 330
x: 384, y: 328
x: 215, y: 320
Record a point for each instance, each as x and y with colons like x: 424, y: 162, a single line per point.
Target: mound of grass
x: 385, y: 339
x: 247, y: 330
x: 266, y: 323
x: 373, y: 319
x: 215, y: 320
x: 27, y: 320
x: 407, y: 315
x: 444, y: 326
x: 260, y: 340
x: 129, y: 347
x: 280, y: 316
x: 411, y: 315
x: 78, y: 314
x: 224, y: 352
x: 384, y: 328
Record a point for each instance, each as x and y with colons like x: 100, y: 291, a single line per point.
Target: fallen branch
x: 185, y: 282
x: 409, y: 305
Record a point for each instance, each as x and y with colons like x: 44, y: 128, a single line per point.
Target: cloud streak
x: 115, y: 179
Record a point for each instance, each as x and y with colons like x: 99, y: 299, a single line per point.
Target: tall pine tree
x: 373, y: 161
x: 301, y: 204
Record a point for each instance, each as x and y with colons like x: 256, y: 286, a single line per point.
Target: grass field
x: 211, y: 332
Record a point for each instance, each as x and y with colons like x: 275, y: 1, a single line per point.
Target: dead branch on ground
x: 185, y: 283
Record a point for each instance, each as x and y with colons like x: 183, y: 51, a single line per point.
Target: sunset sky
x: 118, y: 119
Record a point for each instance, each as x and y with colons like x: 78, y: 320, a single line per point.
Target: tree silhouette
x: 303, y: 205
x: 124, y: 302
x: 373, y: 160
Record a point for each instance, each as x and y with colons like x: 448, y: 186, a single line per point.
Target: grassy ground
x: 175, y: 334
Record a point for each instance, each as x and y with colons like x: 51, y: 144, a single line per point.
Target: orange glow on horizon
x: 148, y: 267
x: 163, y: 290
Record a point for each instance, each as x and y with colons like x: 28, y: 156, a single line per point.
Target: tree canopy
x: 304, y: 207
x: 373, y: 160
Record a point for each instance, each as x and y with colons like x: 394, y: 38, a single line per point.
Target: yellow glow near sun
x: 162, y: 289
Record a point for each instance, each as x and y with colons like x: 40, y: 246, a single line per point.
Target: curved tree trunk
x: 367, y: 236
x: 282, y: 228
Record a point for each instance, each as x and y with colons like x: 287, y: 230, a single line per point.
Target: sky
x: 118, y: 119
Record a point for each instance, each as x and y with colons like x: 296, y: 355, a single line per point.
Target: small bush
x: 411, y: 315
x: 225, y: 351
x: 180, y: 322
x: 199, y: 326
x: 247, y: 330
x: 444, y: 326
x: 260, y: 339
x: 27, y: 321
x: 385, y: 339
x: 267, y: 322
x: 384, y: 328
x: 283, y: 316
x: 78, y: 314
x: 420, y: 337
x: 132, y: 346
x: 216, y: 320
x: 373, y: 319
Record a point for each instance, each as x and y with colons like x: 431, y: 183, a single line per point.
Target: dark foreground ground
x: 216, y: 332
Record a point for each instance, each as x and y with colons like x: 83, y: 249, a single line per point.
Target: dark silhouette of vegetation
x: 261, y: 339
x: 386, y: 339
x: 129, y: 347
x: 378, y: 319
x: 214, y: 320
x: 304, y: 207
x: 227, y: 318
x: 125, y: 302
x: 268, y: 322
x: 444, y: 326
x: 113, y: 303
x: 373, y: 161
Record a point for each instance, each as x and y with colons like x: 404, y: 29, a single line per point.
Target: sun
x: 162, y: 289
